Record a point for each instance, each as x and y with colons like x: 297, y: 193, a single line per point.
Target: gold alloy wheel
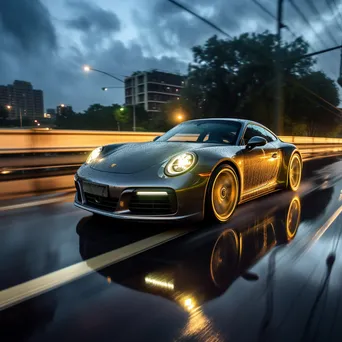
x: 224, y: 194
x: 224, y: 258
x: 293, y: 218
x: 295, y: 172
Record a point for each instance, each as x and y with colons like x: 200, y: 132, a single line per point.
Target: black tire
x: 222, y: 194
x: 294, y: 174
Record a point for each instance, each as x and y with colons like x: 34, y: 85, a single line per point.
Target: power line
x: 294, y: 81
x: 319, y: 97
x: 315, y: 10
x: 260, y: 5
x: 333, y: 14
x: 320, y: 105
x: 214, y: 26
x: 220, y: 30
x: 339, y: 13
x: 318, y: 36
x: 263, y: 8
x: 319, y: 52
x: 299, y: 11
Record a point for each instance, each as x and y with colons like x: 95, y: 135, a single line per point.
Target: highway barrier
x: 39, y: 160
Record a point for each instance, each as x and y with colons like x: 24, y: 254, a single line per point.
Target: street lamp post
x: 87, y: 68
x: 9, y: 107
x: 133, y: 104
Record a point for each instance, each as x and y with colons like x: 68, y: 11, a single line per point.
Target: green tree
x: 316, y: 95
x: 236, y: 78
x: 96, y: 117
x: 3, y: 115
x: 121, y: 115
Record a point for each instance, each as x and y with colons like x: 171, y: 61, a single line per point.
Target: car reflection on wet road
x: 205, y: 271
x: 276, y: 264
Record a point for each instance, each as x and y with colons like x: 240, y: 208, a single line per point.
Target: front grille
x: 102, y: 203
x: 153, y: 205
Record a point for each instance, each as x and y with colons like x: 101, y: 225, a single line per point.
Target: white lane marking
x: 325, y: 227
x: 19, y: 293
x: 35, y: 203
x: 306, y: 246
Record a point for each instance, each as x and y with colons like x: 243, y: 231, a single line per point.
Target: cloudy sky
x: 48, y: 41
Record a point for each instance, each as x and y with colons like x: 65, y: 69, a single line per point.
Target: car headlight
x: 94, y: 155
x: 180, y: 164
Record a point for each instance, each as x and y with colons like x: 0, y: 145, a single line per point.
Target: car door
x: 273, y: 156
x: 256, y: 171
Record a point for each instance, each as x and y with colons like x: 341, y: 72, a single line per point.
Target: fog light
x: 152, y: 193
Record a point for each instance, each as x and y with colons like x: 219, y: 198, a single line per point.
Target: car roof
x: 243, y: 121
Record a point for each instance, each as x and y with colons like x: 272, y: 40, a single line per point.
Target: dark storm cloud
x: 171, y: 28
x: 170, y: 25
x: 26, y: 24
x: 31, y: 51
x: 92, y: 18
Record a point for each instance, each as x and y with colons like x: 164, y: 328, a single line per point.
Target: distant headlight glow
x: 180, y: 164
x: 94, y: 155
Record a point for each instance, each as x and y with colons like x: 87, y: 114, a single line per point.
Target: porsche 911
x: 200, y: 169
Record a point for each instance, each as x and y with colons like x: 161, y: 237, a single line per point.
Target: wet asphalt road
x: 273, y: 273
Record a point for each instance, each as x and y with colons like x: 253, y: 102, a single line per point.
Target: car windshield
x: 215, y: 132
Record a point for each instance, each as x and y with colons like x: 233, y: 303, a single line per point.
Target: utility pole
x: 339, y: 80
x: 20, y: 118
x: 134, y: 85
x: 279, y: 105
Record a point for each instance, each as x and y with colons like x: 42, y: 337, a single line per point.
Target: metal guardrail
x: 32, y: 161
x: 12, y: 140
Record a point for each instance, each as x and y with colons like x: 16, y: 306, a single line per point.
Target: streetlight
x: 8, y: 107
x: 87, y: 68
x: 106, y: 88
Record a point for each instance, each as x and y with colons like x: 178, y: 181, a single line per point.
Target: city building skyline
x: 51, y: 112
x: 22, y: 100
x: 64, y: 110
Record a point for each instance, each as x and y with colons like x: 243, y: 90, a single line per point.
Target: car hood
x: 132, y: 158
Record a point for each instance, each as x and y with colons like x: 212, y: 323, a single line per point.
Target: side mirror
x: 156, y: 138
x: 256, y: 141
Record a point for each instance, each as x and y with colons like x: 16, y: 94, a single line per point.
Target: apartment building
x: 22, y: 100
x: 152, y: 89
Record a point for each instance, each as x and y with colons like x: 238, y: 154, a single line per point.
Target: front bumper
x: 165, y: 199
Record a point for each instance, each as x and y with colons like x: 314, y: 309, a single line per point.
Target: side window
x: 254, y: 130
x: 251, y: 131
x: 267, y: 135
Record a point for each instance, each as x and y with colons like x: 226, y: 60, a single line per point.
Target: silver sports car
x: 198, y: 169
